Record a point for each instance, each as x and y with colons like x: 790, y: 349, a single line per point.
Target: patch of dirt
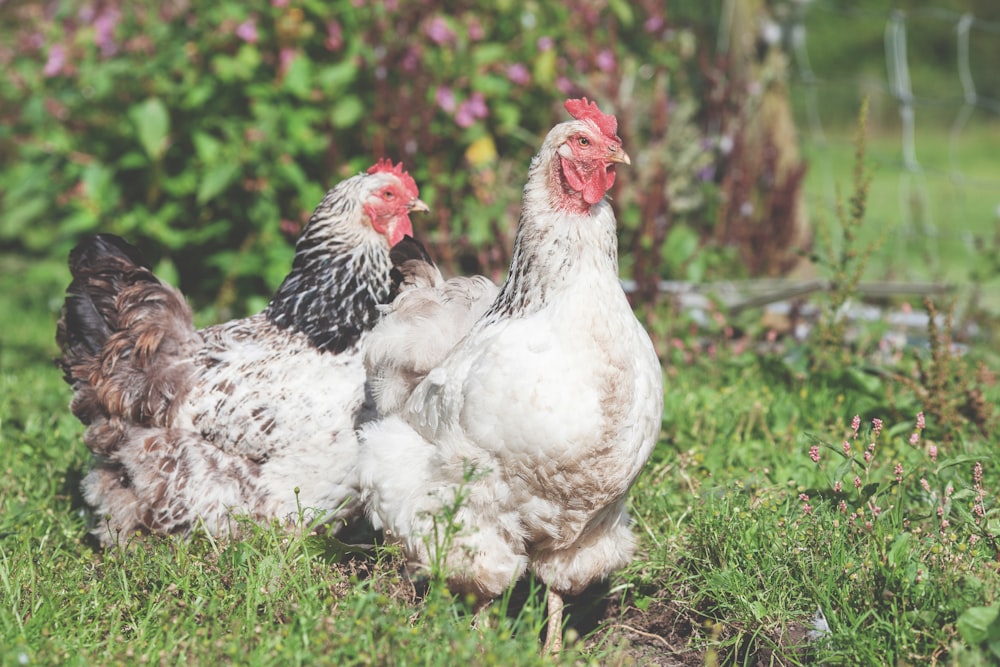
x: 669, y: 634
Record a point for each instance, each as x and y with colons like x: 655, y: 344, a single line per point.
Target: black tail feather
x: 411, y: 266
x: 101, y: 265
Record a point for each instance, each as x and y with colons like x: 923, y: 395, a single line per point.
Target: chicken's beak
x: 417, y: 205
x: 618, y: 154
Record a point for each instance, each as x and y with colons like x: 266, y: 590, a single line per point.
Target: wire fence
x: 942, y: 146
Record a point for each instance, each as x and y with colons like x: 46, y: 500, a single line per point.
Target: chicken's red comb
x: 385, y: 166
x: 582, y: 109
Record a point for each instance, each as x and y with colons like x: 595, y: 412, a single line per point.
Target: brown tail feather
x: 121, y: 334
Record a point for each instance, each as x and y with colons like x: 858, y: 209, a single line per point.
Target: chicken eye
x: 584, y: 141
x: 389, y: 194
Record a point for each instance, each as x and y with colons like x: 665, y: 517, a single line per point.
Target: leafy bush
x: 206, y: 132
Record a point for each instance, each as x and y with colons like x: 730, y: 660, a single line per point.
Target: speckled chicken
x: 255, y: 417
x: 539, y: 418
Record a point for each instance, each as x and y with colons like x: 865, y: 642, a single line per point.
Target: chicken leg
x: 553, y: 632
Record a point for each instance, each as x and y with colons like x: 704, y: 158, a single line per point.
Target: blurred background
x: 205, y: 132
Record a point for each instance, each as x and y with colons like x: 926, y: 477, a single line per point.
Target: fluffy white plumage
x: 540, y: 419
x: 254, y: 417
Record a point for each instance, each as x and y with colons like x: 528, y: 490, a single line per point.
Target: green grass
x: 743, y: 535
x: 939, y: 224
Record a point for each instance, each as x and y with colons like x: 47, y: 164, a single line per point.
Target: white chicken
x: 538, y: 421
x: 254, y: 417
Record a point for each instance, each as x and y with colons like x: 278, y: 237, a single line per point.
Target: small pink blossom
x: 843, y: 507
x: 838, y: 486
x: 868, y: 457
x: 285, y: 57
x: 279, y: 3
x: 653, y: 23
x: 475, y: 30
x: 877, y: 427
x: 856, y: 424
x: 445, y: 99
x: 814, y: 453
x: 977, y: 473
x: 925, y: 485
x: 410, y: 61
x: 847, y: 448
x: 334, y: 36
x: 247, y: 31
x: 857, y: 482
x: 915, y: 438
x: 932, y: 451
x: 544, y: 43
x: 439, y: 32
x: 564, y: 85
x: 104, y: 30
x: 973, y: 540
x: 898, y: 470
x: 803, y: 497
x: 471, y: 110
x: 56, y: 61
x: 920, y: 421
x: 518, y: 73
x: 605, y: 60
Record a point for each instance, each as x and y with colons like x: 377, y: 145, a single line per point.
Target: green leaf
x: 544, y: 69
x: 980, y: 624
x: 346, y: 112
x: 623, y: 10
x: 206, y: 147
x: 298, y: 77
x: 334, y: 79
x: 152, y: 124
x: 216, y: 179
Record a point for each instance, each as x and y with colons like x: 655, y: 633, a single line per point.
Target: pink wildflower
x: 104, y: 30
x: 605, y: 60
x: 285, y: 58
x: 915, y: 438
x: 856, y: 424
x: 518, y: 74
x: 653, y: 23
x: 471, y: 109
x: 898, y: 470
x: 977, y: 474
x: 877, y: 426
x: 973, y: 539
x: 857, y: 482
x: 439, y: 32
x: 57, y: 60
x: 842, y: 507
x: 838, y: 487
x: 564, y: 85
x: 847, y: 448
x: 920, y: 421
x: 868, y: 456
x: 247, y: 31
x: 932, y: 452
x: 544, y: 43
x: 334, y: 36
x: 475, y: 30
x: 925, y: 485
x: 814, y: 453
x: 445, y: 98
